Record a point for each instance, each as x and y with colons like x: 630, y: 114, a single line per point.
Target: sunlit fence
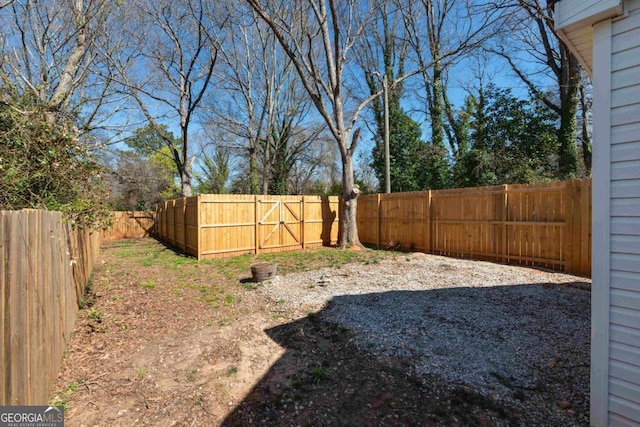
x: 547, y: 225
x: 215, y: 226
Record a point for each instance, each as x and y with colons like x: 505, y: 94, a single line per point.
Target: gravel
x: 502, y: 331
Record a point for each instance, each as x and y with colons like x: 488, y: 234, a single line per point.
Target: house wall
x: 574, y: 20
x: 624, y: 208
x: 614, y: 62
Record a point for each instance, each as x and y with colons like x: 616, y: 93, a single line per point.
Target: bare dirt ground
x: 164, y: 340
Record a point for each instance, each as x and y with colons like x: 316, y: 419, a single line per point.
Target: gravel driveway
x: 517, y: 335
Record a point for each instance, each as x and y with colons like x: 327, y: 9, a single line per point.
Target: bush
x: 43, y: 165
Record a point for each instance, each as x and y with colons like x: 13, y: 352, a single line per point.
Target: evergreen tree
x: 512, y: 141
x: 406, y: 151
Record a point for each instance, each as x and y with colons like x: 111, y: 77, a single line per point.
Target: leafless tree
x: 317, y: 170
x: 168, y: 67
x: 49, y: 50
x: 266, y: 107
x: 319, y: 37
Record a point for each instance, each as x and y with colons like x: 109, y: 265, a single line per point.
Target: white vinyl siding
x: 574, y: 20
x: 584, y: 12
x: 624, y: 337
x: 601, y: 333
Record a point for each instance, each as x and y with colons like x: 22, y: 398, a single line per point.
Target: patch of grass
x: 232, y: 371
x: 141, y: 372
x: 121, y: 243
x: 250, y: 285
x: 310, y: 259
x: 128, y: 253
x: 191, y: 375
x: 207, y: 293
x: 313, y: 317
x: 63, y: 396
x: 148, y: 285
x: 148, y: 253
x: 232, y: 268
x: 87, y: 299
x: 318, y: 374
x: 94, y: 314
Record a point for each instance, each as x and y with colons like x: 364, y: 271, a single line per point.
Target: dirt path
x: 166, y: 341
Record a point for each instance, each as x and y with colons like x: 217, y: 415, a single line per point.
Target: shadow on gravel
x: 508, y: 355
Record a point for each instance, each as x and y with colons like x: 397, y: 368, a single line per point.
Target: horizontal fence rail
x: 547, y: 225
x: 223, y: 225
x: 44, y: 269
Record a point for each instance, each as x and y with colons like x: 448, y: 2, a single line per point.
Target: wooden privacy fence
x: 129, y: 225
x: 45, y: 266
x: 546, y: 225
x: 215, y: 226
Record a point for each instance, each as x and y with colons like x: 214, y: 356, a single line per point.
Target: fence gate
x: 280, y: 223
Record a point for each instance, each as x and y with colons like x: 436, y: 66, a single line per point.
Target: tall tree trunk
x: 568, y: 132
x: 436, y: 108
x: 185, y: 178
x: 585, y: 138
x: 350, y: 191
x: 254, y: 179
x: 440, y: 169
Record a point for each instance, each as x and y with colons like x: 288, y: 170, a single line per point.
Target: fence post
x: 427, y: 221
x: 173, y: 211
x: 302, y: 222
x: 256, y: 204
x: 585, y: 217
x: 184, y: 223
x: 199, y: 227
x: 378, y: 220
x: 570, y: 198
x: 505, y: 223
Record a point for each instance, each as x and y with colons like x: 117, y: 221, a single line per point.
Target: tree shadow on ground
x: 509, y: 355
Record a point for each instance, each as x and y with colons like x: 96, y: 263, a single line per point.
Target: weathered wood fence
x: 44, y: 269
x: 546, y: 225
x: 130, y: 225
x: 215, y: 226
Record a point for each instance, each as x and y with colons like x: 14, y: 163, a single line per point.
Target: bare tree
x: 266, y: 106
x: 168, y: 68
x: 319, y: 37
x: 49, y: 50
x: 316, y: 171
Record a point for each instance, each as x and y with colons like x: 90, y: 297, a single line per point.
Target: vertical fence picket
x: 38, y: 283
